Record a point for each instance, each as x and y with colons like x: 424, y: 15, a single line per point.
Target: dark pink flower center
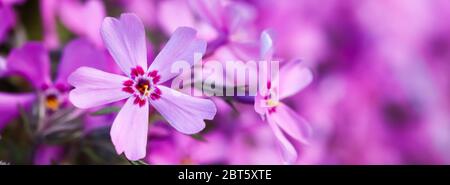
x: 142, y: 85
x: 272, y: 110
x: 270, y: 102
x: 52, y: 95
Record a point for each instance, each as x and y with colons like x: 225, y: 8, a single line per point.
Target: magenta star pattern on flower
x: 125, y: 40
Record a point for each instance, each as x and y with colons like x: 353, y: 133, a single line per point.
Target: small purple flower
x: 32, y: 62
x: 280, y: 117
x: 229, y: 24
x: 125, y: 39
x: 34, y: 54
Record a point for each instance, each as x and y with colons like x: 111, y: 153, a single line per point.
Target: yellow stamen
x: 52, y: 103
x: 146, y: 90
x: 272, y: 103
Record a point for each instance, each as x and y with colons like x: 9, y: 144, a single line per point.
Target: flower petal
x: 10, y: 103
x: 146, y: 10
x: 75, y: 13
x: 259, y: 105
x: 266, y: 42
x: 173, y: 14
x: 125, y: 40
x: 8, y: 21
x: 181, y: 47
x: 94, y: 87
x: 291, y: 123
x: 185, y: 113
x: 295, y: 78
x: 78, y: 53
x: 48, y: 11
x: 2, y: 66
x: 287, y: 149
x: 12, y: 2
x: 129, y: 130
x: 238, y: 15
x: 47, y: 154
x: 32, y: 62
x: 210, y: 11
x: 245, y: 51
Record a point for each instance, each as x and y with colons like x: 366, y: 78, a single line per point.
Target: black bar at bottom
x: 224, y: 174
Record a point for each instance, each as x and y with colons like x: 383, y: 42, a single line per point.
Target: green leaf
x: 229, y: 102
x: 138, y: 162
x: 198, y: 137
x: 89, y: 152
x: 106, y: 110
x: 25, y: 121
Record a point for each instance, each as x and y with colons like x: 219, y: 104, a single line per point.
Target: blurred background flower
x: 380, y: 93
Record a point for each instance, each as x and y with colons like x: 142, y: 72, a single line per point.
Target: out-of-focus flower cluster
x: 380, y: 92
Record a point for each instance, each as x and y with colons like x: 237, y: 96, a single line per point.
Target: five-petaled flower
x: 125, y: 40
x: 32, y: 63
x: 280, y: 117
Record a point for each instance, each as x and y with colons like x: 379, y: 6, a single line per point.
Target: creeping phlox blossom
x: 280, y: 117
x: 125, y: 40
x: 32, y: 63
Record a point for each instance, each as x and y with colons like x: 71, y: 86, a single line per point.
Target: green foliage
x: 106, y: 110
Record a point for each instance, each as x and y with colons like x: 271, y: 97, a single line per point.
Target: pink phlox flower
x: 126, y: 41
x: 292, y: 78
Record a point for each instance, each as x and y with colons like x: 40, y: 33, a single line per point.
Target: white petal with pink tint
x: 185, y: 113
x: 94, y: 87
x: 129, y: 130
x: 2, y: 66
x: 181, y: 47
x: 266, y: 42
x: 125, y: 39
x: 291, y: 123
x: 259, y: 105
x: 293, y: 78
x: 287, y: 149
